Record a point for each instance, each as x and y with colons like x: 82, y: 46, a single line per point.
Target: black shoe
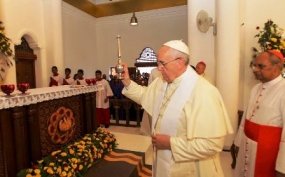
x: 107, y: 125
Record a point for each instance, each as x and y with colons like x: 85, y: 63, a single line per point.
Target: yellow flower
x: 82, y: 142
x: 80, y: 167
x: 29, y: 175
x: 63, y: 173
x: 55, y: 152
x: 65, y: 168
x: 51, y: 164
x: 63, y: 154
x: 58, y: 170
x: 74, y: 165
x: 50, y: 171
x: 273, y: 39
x: 71, y: 151
x: 37, y: 171
x: 74, y: 160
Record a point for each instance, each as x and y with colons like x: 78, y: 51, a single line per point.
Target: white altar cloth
x: 33, y: 96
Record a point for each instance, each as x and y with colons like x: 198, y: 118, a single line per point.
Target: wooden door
x: 25, y: 63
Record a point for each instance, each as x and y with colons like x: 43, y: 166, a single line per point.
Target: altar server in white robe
x: 55, y: 79
x: 102, y: 101
x: 261, y: 135
x: 68, y: 80
x: 80, y: 80
x: 189, y: 119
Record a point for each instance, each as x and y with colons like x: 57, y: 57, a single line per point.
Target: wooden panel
x: 25, y: 131
x: 7, y: 148
x: 25, y: 72
x: 20, y: 137
x: 53, y: 108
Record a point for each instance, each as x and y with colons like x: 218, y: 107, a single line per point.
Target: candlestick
x: 119, y: 46
x: 119, y: 68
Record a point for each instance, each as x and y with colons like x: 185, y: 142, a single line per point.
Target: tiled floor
x: 129, y: 138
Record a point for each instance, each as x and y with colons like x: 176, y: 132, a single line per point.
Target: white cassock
x: 102, y: 94
x: 197, y: 123
x: 269, y: 111
x: 81, y: 81
x: 69, y: 80
x: 58, y: 79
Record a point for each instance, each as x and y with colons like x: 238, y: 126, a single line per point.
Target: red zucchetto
x: 202, y: 63
x: 277, y: 53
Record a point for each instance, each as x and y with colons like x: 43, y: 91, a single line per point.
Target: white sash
x: 171, y: 116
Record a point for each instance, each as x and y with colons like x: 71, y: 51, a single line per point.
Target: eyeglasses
x: 162, y: 63
x: 258, y: 66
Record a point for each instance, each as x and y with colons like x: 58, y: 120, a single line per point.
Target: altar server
x: 55, y: 79
x: 102, y: 101
x: 261, y: 135
x: 68, y: 80
x: 189, y: 119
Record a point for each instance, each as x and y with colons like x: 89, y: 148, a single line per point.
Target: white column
x: 53, y: 32
x: 228, y: 57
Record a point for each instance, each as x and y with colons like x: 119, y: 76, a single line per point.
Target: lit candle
x: 119, y: 46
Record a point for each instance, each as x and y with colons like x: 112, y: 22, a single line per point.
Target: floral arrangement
x: 74, y: 159
x: 271, y: 37
x: 5, y: 52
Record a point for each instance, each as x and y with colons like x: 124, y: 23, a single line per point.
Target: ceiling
x: 103, y: 8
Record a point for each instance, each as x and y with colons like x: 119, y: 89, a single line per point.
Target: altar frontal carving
x: 61, y: 125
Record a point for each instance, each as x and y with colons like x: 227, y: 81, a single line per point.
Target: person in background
x: 104, y: 77
x: 102, y: 101
x: 189, y: 119
x: 261, y: 135
x: 75, y: 76
x: 68, y: 80
x: 145, y: 128
x: 80, y: 80
x: 200, y: 69
x: 55, y: 79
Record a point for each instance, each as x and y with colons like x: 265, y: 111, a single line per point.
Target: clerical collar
x: 273, y: 82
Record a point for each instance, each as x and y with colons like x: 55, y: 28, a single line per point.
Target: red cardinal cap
x: 277, y: 53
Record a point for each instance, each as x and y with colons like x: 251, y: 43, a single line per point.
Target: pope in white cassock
x: 189, y: 119
x: 261, y: 135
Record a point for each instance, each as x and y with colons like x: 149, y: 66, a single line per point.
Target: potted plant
x: 5, y: 53
x: 270, y: 37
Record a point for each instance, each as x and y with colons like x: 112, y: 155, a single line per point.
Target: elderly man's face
x: 263, y: 70
x: 167, y: 64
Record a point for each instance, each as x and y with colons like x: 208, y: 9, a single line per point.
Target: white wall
x: 24, y: 18
x: 79, y: 41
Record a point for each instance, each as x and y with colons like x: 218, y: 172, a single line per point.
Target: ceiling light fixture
x: 134, y: 20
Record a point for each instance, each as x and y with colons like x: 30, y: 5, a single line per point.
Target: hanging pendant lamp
x: 134, y: 20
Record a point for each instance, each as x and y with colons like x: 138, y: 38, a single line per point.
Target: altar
x: 36, y: 123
